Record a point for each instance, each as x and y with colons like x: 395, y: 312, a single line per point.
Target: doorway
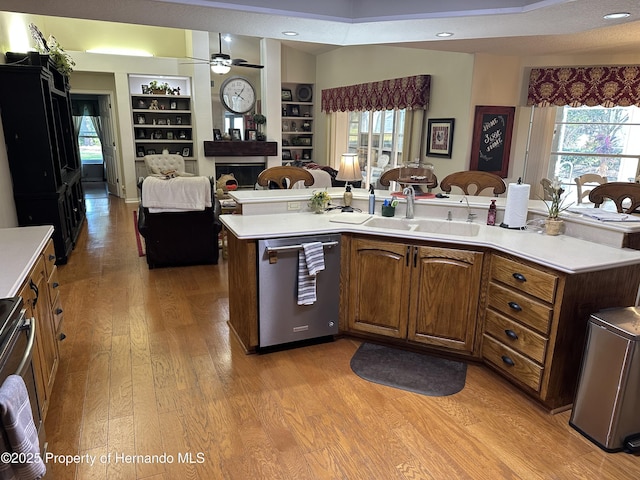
x: 92, y: 116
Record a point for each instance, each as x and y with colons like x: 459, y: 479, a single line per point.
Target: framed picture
x: 294, y: 111
x: 141, y: 119
x: 186, y: 151
x: 304, y: 141
x: 169, y: 135
x: 140, y: 151
x: 286, y: 95
x: 440, y: 137
x: 217, y: 135
x: 173, y: 105
x: 251, y: 135
x: 235, y: 134
x: 151, y: 151
x: 286, y: 154
x: 491, y: 144
x: 178, y: 120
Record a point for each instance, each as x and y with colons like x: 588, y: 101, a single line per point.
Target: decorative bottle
x: 491, y: 215
x: 372, y: 200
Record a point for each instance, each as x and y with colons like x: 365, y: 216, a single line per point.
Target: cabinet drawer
x: 511, y: 362
x: 516, y: 336
x: 54, y: 286
x: 49, y: 255
x: 530, y: 312
x: 527, y: 279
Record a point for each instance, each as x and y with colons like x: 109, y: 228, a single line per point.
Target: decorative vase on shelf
x: 553, y: 226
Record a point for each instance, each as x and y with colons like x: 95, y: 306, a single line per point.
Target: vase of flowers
x: 555, y: 206
x: 319, y: 201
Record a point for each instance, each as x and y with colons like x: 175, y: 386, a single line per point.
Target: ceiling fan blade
x: 240, y: 62
x: 199, y: 59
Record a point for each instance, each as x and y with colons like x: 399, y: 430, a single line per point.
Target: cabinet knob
x: 508, y: 361
x: 520, y: 277
x: 55, y: 284
x: 62, y: 336
x: 59, y: 311
x: 52, y: 257
x: 511, y: 334
x: 515, y: 306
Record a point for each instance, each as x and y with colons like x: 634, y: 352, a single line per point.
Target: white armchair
x: 166, y: 163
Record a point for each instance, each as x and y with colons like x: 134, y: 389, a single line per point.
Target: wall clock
x: 238, y: 95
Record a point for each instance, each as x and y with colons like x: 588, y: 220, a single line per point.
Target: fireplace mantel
x: 240, y: 149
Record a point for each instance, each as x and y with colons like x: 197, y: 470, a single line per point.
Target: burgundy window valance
x: 411, y: 93
x: 591, y: 86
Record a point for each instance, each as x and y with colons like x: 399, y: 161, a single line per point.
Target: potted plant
x: 319, y: 201
x: 158, y: 88
x: 260, y: 120
x: 555, y: 206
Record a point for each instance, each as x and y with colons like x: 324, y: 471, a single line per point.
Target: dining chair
x: 619, y: 192
x: 394, y: 174
x: 284, y: 177
x: 591, y: 179
x: 480, y: 180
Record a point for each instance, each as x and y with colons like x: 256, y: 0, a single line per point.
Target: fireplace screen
x: 245, y: 173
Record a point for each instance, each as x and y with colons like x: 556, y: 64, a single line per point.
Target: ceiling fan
x: 221, y: 63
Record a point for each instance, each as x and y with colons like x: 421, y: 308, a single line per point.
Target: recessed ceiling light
x: 614, y: 16
x: 290, y: 33
x: 444, y: 34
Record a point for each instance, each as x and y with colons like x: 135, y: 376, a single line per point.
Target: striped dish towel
x: 19, y: 430
x: 310, y: 262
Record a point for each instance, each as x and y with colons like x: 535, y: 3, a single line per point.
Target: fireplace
x: 245, y: 173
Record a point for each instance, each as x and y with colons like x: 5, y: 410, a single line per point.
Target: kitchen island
x: 516, y: 300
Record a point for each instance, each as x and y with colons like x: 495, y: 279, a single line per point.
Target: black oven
x: 17, y: 337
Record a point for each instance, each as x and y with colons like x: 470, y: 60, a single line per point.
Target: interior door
x: 109, y: 152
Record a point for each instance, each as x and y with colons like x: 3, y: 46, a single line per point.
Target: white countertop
x: 563, y: 252
x: 19, y: 250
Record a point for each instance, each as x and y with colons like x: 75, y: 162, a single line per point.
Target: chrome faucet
x: 470, y: 216
x: 411, y: 197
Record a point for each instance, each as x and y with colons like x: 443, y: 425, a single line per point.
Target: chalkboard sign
x: 492, y: 139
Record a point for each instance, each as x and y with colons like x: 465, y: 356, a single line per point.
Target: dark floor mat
x: 415, y: 372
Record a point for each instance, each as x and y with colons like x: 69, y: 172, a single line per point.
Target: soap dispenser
x: 372, y: 200
x: 491, y: 215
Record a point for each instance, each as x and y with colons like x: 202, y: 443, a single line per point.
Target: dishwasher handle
x: 288, y: 248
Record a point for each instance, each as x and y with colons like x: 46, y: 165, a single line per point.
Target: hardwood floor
x: 149, y: 368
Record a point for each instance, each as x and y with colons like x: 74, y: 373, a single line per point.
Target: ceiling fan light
x: 219, y: 68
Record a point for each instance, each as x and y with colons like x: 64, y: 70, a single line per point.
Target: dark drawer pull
x: 62, y: 336
x: 52, y: 257
x: 58, y: 311
x: 520, y: 277
x: 56, y: 284
x: 511, y: 334
x: 508, y: 361
x: 515, y: 306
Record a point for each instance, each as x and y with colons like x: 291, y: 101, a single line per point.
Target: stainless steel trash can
x: 605, y: 408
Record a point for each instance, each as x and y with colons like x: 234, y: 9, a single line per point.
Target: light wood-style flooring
x: 149, y: 368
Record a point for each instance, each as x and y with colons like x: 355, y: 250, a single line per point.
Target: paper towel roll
x: 517, y: 206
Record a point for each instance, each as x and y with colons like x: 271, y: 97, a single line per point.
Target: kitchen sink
x: 443, y: 227
x: 389, y: 222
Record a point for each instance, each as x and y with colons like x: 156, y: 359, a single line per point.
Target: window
x: 605, y: 141
x: 89, y: 142
x: 377, y: 137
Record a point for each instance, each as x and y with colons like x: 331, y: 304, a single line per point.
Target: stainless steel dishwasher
x: 281, y: 319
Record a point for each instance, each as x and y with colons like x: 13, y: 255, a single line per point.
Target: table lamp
x: 349, y: 171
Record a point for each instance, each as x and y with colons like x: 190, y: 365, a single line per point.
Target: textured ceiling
x: 504, y: 27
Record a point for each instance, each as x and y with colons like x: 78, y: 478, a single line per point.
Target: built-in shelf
x: 240, y: 149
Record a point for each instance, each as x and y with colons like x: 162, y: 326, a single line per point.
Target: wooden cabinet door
x: 445, y: 289
x: 47, y: 346
x: 379, y: 275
